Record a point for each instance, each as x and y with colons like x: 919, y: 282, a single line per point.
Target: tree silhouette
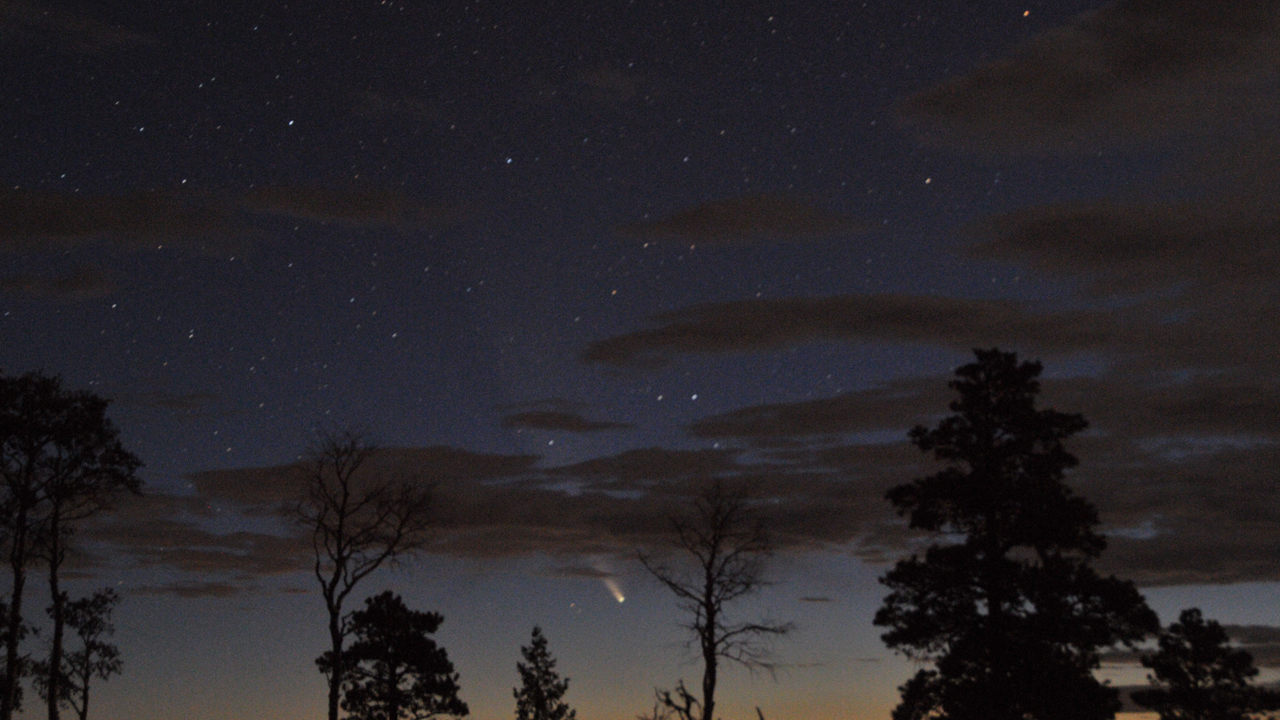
x: 90, y: 619
x: 541, y: 690
x: 727, y: 541
x: 358, y: 520
x: 95, y: 470
x: 1007, y: 609
x: 61, y: 459
x: 26, y: 667
x: 1199, y: 676
x: 393, y: 670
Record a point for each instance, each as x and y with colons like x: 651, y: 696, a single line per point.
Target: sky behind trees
x: 564, y: 263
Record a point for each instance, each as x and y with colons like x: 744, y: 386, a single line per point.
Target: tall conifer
x: 1006, y: 607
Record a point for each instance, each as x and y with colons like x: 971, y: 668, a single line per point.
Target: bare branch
x: 360, y: 520
x: 726, y: 540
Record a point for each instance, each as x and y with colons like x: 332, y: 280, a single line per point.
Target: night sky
x: 565, y: 260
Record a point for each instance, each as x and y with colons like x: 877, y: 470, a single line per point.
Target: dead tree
x: 724, y: 541
x: 359, y: 520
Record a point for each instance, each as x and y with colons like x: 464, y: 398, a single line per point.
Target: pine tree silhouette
x: 541, y: 690
x: 1007, y: 609
x: 1199, y: 676
x: 393, y: 670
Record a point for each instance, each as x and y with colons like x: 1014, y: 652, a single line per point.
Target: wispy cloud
x: 773, y: 324
x: 75, y: 33
x: 38, y: 220
x: 1134, y: 69
x: 85, y: 283
x: 737, y: 220
x: 558, y: 420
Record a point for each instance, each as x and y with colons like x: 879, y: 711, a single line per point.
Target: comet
x: 613, y: 588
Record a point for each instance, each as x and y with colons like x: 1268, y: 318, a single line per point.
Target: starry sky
x: 563, y: 262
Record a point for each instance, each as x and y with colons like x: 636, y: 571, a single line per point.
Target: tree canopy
x: 90, y: 619
x: 1005, y: 605
x: 1199, y: 676
x: 61, y: 460
x: 393, y: 670
x: 541, y: 692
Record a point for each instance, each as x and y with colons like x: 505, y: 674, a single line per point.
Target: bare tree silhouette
x: 359, y: 519
x: 725, y: 539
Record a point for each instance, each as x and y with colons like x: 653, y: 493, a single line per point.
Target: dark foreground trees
x: 90, y: 619
x: 1009, y: 611
x: 723, y: 543
x: 541, y: 692
x: 359, y: 519
x: 1199, y: 676
x: 393, y: 670
x: 60, y: 461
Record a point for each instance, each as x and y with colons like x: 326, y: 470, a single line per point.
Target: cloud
x: 23, y: 23
x: 179, y: 533
x: 816, y: 599
x: 757, y: 217
x: 1183, y: 492
x: 1254, y: 634
x: 772, y: 324
x: 557, y: 420
x: 37, y: 220
x: 31, y: 220
x: 1189, y: 280
x: 1260, y: 641
x: 648, y: 464
x: 189, y: 591
x: 556, y: 414
x: 1180, y: 468
x: 900, y: 404
x: 188, y: 403
x: 372, y: 207
x: 1138, y: 68
x: 85, y: 283
x: 580, y: 571
x: 494, y: 506
x: 281, y: 485
x: 1130, y: 248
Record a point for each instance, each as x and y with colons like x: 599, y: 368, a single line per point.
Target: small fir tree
x: 541, y: 692
x: 1199, y: 676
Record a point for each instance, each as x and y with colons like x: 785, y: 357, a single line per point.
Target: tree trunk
x: 86, y: 673
x: 393, y: 695
x: 84, y: 709
x: 17, y: 563
x: 709, y: 659
x: 59, y: 600
x: 335, y: 670
x: 709, y: 685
